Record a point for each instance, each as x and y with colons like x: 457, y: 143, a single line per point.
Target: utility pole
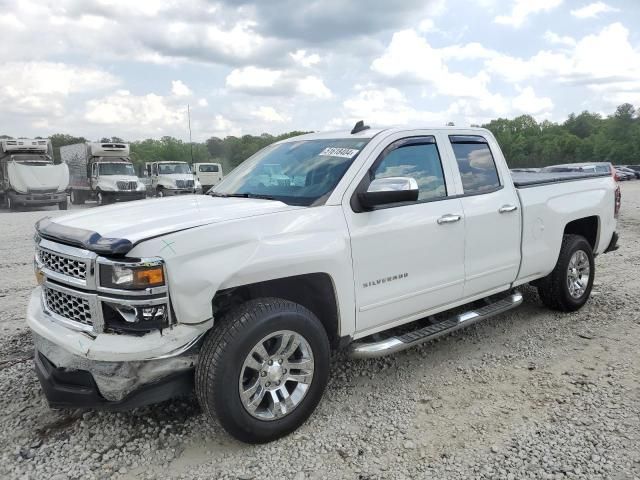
x: 190, y: 142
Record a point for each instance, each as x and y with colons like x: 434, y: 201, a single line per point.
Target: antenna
x: 190, y: 142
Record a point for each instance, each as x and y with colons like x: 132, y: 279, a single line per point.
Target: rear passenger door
x: 492, y: 216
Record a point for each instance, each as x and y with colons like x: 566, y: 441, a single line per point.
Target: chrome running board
x: 388, y: 346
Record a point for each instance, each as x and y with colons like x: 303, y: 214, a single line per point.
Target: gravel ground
x: 529, y: 394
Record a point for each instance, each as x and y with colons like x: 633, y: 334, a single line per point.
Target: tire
x: 101, y: 199
x: 10, y: 205
x: 63, y: 205
x: 555, y: 290
x: 224, y: 356
x: 159, y: 193
x: 76, y: 197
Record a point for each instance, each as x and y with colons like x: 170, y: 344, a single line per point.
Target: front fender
x: 203, y: 260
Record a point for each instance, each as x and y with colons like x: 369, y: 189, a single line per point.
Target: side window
x: 416, y: 158
x: 95, y: 170
x: 476, y: 164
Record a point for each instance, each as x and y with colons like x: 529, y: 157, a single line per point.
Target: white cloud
x: 604, y: 58
x: 301, y: 58
x: 426, y: 25
x: 270, y: 115
x: 253, y: 78
x: 223, y: 127
x: 179, y: 89
x: 276, y: 82
x: 399, y: 61
x: 523, y: 8
x: 382, y: 107
x: 202, y: 102
x: 593, y: 10
x: 555, y: 39
x: 314, y: 87
x: 529, y: 102
x: 144, y: 114
x: 43, y: 87
x: 11, y: 22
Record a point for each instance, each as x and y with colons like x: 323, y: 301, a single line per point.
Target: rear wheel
x: 77, y: 198
x: 11, y: 206
x: 263, y: 369
x: 568, y: 287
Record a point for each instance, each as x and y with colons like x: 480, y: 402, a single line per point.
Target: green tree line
x: 584, y: 137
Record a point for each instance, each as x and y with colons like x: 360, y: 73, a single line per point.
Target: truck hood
x: 25, y: 178
x: 116, y: 229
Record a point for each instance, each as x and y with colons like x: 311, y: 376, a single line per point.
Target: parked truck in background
x: 171, y: 178
x: 208, y: 174
x: 28, y: 175
x: 370, y: 240
x: 101, y: 172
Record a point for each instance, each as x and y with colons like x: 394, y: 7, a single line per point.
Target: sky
x: 129, y: 68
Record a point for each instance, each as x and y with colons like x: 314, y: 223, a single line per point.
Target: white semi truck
x: 101, y: 171
x: 28, y: 176
x: 171, y: 178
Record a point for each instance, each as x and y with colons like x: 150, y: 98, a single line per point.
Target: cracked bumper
x: 105, y: 371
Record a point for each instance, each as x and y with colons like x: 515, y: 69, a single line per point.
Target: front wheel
x: 263, y: 369
x: 568, y: 287
x: 63, y: 205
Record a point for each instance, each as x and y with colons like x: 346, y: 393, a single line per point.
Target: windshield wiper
x: 242, y: 195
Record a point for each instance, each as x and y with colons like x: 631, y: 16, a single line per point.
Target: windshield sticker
x: 339, y: 152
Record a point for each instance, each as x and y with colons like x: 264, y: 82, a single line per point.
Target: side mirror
x: 383, y: 191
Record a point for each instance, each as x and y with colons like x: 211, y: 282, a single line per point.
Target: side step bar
x: 398, y: 343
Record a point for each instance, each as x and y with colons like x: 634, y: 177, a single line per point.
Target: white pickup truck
x: 378, y: 240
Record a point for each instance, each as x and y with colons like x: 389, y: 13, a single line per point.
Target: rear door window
x: 476, y: 164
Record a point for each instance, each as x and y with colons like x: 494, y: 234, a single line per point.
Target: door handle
x: 507, y: 208
x: 449, y: 218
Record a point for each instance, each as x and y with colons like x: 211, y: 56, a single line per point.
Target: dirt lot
x: 529, y: 394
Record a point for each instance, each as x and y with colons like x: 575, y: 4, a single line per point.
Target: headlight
x: 132, y: 276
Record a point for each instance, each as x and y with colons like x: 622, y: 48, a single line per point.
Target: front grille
x: 184, y: 183
x: 126, y: 185
x: 68, y: 306
x: 63, y: 265
x: 43, y: 190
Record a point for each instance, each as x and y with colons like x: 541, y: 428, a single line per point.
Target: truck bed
x: 533, y: 179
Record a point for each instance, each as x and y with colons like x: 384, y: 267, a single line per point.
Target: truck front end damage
x: 104, y: 330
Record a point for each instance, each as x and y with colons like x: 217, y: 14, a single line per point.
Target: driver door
x: 408, y: 258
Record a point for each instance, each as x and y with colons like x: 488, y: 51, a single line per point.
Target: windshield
x: 34, y: 160
x: 116, y: 169
x: 171, y: 168
x: 297, y: 173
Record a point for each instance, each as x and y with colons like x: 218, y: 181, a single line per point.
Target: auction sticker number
x: 339, y: 152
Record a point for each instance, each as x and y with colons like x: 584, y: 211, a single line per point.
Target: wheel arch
x: 314, y: 291
x: 587, y: 227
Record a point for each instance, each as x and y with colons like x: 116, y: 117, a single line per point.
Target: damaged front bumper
x: 111, y: 371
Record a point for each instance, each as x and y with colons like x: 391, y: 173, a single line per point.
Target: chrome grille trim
x: 63, y: 265
x: 123, y: 185
x: 74, y: 309
x: 185, y: 183
x: 66, y: 264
